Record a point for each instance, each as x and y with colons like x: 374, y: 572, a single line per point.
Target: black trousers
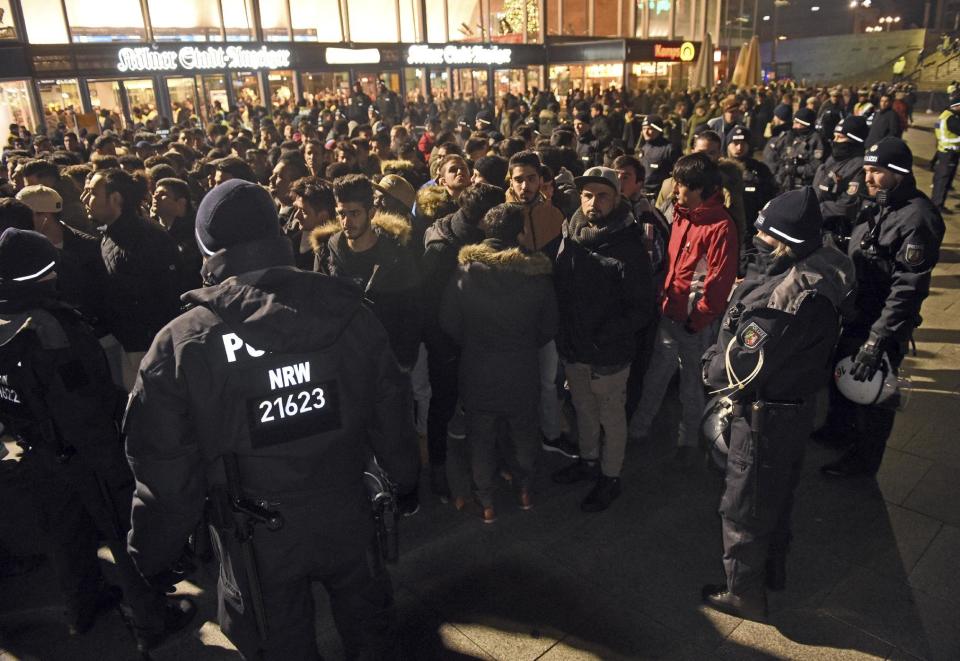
x: 518, y: 450
x: 443, y: 365
x: 757, y: 502
x: 79, y: 507
x: 943, y: 173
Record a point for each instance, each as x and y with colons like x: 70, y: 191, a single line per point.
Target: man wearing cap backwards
x: 948, y: 153
x: 839, y: 182
x: 605, y: 292
x: 58, y: 398
x: 803, y: 152
x: 286, y: 373
x: 771, y: 356
x: 759, y: 186
x: 894, y: 246
x: 657, y: 155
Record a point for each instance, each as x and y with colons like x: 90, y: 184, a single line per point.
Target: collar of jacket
x: 497, y: 255
x: 245, y: 257
x: 903, y: 192
x: 123, y: 227
x: 710, y: 210
x: 512, y: 198
x: 619, y: 219
x: 384, y: 224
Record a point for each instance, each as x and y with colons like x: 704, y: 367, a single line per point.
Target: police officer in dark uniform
x: 894, y: 246
x: 58, y: 400
x: 839, y: 181
x: 759, y: 186
x: 268, y: 396
x: 802, y: 153
x: 657, y: 155
x: 772, y: 355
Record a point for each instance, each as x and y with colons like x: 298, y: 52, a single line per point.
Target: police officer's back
x: 287, y: 376
x: 58, y: 400
x: 838, y: 183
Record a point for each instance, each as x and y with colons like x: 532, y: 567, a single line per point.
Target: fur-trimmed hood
x: 434, y: 202
x: 732, y: 172
x: 516, y: 260
x: 384, y: 223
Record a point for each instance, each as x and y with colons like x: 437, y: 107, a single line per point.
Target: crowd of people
x: 484, y: 270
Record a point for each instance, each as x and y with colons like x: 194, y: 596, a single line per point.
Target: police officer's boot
x: 776, y: 571
x: 176, y: 614
x: 750, y: 605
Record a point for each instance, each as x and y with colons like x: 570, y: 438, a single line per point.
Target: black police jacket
x: 839, y: 186
x: 657, y: 158
x: 801, y: 155
x: 780, y: 329
x: 291, y: 372
x: 894, y: 246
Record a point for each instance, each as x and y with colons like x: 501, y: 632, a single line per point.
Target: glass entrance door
x: 213, y: 91
x: 183, y: 100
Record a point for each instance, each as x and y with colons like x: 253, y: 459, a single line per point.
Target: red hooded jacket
x: 703, y: 245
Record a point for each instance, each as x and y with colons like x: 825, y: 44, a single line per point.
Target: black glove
x: 867, y: 360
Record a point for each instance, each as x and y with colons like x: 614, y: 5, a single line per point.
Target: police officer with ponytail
x: 269, y: 395
x: 773, y: 353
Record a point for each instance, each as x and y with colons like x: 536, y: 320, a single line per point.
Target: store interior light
x: 815, y: 8
x: 767, y: 17
x: 853, y: 4
x: 782, y: 37
x: 717, y: 55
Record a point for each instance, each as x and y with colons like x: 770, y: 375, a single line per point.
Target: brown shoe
x: 526, y: 502
x: 489, y: 516
x: 459, y: 503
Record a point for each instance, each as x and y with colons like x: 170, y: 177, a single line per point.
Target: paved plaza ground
x: 874, y: 570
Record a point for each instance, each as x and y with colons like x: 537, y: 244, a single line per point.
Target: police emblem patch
x: 753, y: 336
x: 853, y: 187
x: 913, y: 254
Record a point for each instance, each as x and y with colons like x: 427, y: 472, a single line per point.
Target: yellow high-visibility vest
x: 946, y: 139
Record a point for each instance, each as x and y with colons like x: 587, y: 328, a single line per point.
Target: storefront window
x: 510, y: 80
x: 316, y: 20
x: 410, y: 31
x: 274, y: 20
x: 142, y: 100
x: 564, y: 78
x: 507, y: 20
x: 472, y: 83
x: 373, y: 20
x: 236, y: 20
x: 105, y: 100
x: 246, y: 88
x: 183, y: 99
x: 185, y: 20
x: 91, y: 21
x: 553, y: 16
x: 649, y: 74
x: 414, y: 83
x: 7, y: 28
x: 440, y: 84
x: 321, y: 87
x: 368, y: 80
x: 659, y: 17
x: 61, y: 102
x: 44, y: 21
x: 465, y: 21
x: 213, y: 90
x: 575, y: 17
x: 533, y: 78
x: 602, y: 75
x: 683, y: 22
x: 281, y: 88
x: 15, y: 107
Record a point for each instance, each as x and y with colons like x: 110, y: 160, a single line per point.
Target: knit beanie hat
x: 235, y: 212
x: 806, y: 117
x: 854, y: 127
x: 654, y: 122
x: 25, y: 256
x: 783, y: 112
x: 890, y: 153
x: 795, y: 219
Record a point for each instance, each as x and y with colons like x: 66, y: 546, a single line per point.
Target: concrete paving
x: 873, y: 571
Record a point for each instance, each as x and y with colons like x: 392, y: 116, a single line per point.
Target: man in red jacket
x: 701, y: 269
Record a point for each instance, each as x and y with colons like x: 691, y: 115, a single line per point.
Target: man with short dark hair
x: 232, y: 167
x: 605, y: 293
x: 500, y: 337
x: 701, y: 269
x: 40, y: 172
x: 171, y: 206
x: 490, y: 170
x: 290, y: 167
x: 315, y: 207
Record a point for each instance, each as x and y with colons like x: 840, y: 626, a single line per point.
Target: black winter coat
x: 657, y: 158
x: 289, y: 371
x: 605, y: 292
x: 500, y: 308
x: 884, y: 123
x: 142, y: 288
x: 393, y: 290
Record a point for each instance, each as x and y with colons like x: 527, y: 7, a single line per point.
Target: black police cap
x: 892, y: 154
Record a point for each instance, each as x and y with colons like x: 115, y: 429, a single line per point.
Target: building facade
x: 77, y: 59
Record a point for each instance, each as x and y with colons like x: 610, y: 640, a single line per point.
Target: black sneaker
x: 576, y: 472
x: 177, y: 614
x: 604, y: 492
x: 561, y: 444
x: 750, y: 606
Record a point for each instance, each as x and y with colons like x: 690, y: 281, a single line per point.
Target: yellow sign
x: 687, y: 52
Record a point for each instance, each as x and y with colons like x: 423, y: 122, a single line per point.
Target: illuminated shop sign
x: 685, y: 52
x: 482, y: 55
x: 192, y: 58
x: 352, y: 55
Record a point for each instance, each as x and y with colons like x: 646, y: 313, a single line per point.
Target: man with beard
x: 605, y: 293
x: 839, y: 181
x: 290, y: 167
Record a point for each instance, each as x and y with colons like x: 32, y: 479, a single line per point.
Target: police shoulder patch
x: 853, y: 187
x: 752, y: 337
x: 913, y: 254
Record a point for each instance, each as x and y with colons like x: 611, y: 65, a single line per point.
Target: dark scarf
x: 580, y: 230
